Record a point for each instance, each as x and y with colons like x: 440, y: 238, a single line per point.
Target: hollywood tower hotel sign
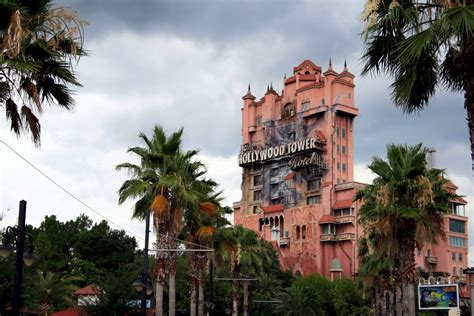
x: 297, y: 157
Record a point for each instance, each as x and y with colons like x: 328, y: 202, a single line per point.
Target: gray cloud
x: 187, y: 63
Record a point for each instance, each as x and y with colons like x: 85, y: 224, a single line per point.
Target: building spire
x: 345, y: 65
x: 330, y: 63
x: 284, y: 77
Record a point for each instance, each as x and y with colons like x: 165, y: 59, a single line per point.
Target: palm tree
x: 39, y: 45
x: 423, y: 44
x: 164, y: 184
x: 296, y: 301
x: 247, y: 255
x: 402, y: 209
x: 52, y: 291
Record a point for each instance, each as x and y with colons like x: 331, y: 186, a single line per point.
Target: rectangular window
x: 338, y: 166
x: 274, y: 191
x: 255, y: 210
x: 343, y: 150
x: 337, y: 131
x: 257, y: 195
x: 289, y: 198
x: 456, y: 226
x: 344, y: 167
x: 305, y: 105
x: 460, y: 256
x: 257, y: 180
x: 315, y: 199
x: 328, y: 229
x: 343, y: 132
x: 338, y: 149
x: 314, y: 185
x: 453, y: 256
x: 457, y: 241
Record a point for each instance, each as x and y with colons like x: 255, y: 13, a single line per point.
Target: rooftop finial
x: 284, y: 78
x: 345, y: 65
x: 249, y: 88
x: 330, y: 63
x: 271, y: 86
x: 268, y: 88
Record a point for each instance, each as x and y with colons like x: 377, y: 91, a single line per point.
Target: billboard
x: 438, y: 296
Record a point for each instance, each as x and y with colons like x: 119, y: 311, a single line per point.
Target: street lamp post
x: 19, y: 235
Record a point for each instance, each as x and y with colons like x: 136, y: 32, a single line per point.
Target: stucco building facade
x: 297, y: 159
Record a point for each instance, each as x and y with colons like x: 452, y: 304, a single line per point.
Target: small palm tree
x: 402, y: 209
x: 52, y: 291
x: 423, y: 44
x: 39, y: 46
x: 296, y: 301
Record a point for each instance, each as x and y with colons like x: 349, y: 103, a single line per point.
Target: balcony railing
x: 284, y: 241
x: 345, y: 219
x: 337, y: 237
x: 328, y: 237
x: 345, y: 236
x: 431, y: 259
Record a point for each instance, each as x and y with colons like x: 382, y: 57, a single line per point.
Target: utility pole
x: 145, y: 265
x: 20, y: 246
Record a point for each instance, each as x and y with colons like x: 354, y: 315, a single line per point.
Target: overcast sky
x: 187, y: 64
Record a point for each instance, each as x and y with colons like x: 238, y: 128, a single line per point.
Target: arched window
x: 271, y: 222
x: 288, y: 110
x: 303, y: 232
x: 297, y: 232
x: 276, y: 221
x: 260, y: 224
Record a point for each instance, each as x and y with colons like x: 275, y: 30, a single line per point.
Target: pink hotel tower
x: 297, y: 157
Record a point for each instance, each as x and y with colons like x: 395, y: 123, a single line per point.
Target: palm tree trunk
x: 172, y: 292
x: 192, y: 305
x: 235, y: 293
x: 201, y: 294
x: 245, y: 286
x: 159, y: 298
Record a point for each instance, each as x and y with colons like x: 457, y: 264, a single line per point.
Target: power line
x: 89, y: 207
x: 67, y: 192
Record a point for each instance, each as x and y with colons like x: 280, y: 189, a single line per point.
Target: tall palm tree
x: 402, y: 209
x: 423, y: 44
x: 39, y: 47
x: 247, y: 255
x: 163, y: 183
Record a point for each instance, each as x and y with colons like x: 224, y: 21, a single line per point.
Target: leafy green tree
x: 118, y: 297
x: 106, y: 248
x: 6, y: 280
x: 402, y: 209
x: 423, y: 45
x: 347, y: 300
x: 39, y: 49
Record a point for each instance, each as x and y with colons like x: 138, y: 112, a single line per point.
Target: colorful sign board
x: 438, y: 296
